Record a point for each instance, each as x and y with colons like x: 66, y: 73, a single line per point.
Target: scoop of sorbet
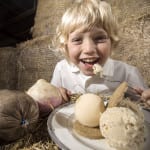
x: 88, y: 109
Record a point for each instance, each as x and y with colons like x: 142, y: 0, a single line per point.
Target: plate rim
x: 50, y: 129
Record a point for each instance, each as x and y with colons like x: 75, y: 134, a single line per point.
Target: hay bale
x: 48, y: 15
x: 134, y: 22
x: 36, y: 60
x: 8, y: 69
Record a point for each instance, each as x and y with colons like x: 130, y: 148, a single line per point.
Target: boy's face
x: 87, y: 47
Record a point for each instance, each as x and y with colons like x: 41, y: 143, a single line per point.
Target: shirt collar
x: 74, y: 68
x: 108, y: 68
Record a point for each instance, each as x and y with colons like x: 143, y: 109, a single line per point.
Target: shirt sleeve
x: 56, y: 78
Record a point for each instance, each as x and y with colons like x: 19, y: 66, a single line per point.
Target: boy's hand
x: 65, y: 94
x: 146, y: 96
x: 138, y: 93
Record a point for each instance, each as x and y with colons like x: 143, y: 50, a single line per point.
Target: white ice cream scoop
x: 88, y: 109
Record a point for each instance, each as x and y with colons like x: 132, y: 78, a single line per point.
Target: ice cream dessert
x: 98, y: 70
x: 122, y: 123
x: 88, y: 109
x: 123, y: 127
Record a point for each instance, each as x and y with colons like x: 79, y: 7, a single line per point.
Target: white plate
x: 60, y: 129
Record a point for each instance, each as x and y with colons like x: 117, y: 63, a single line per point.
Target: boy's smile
x: 88, y: 47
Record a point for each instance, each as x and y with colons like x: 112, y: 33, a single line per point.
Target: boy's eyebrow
x: 76, y: 33
x: 100, y: 32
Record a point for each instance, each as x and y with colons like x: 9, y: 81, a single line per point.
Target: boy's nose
x: 89, y: 46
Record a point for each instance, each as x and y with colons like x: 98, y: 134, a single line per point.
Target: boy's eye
x: 101, y: 39
x: 76, y: 40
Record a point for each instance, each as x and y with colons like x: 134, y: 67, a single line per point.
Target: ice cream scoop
x: 98, y: 70
x: 123, y: 127
x: 88, y: 109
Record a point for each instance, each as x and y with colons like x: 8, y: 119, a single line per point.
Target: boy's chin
x: 88, y: 73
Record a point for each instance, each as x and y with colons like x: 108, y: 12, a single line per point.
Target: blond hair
x: 88, y: 13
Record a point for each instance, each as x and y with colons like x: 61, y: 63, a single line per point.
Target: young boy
x: 86, y: 36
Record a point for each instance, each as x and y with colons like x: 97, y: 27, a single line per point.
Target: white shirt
x: 115, y: 72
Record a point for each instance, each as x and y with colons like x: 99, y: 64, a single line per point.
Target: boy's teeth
x: 88, y: 60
